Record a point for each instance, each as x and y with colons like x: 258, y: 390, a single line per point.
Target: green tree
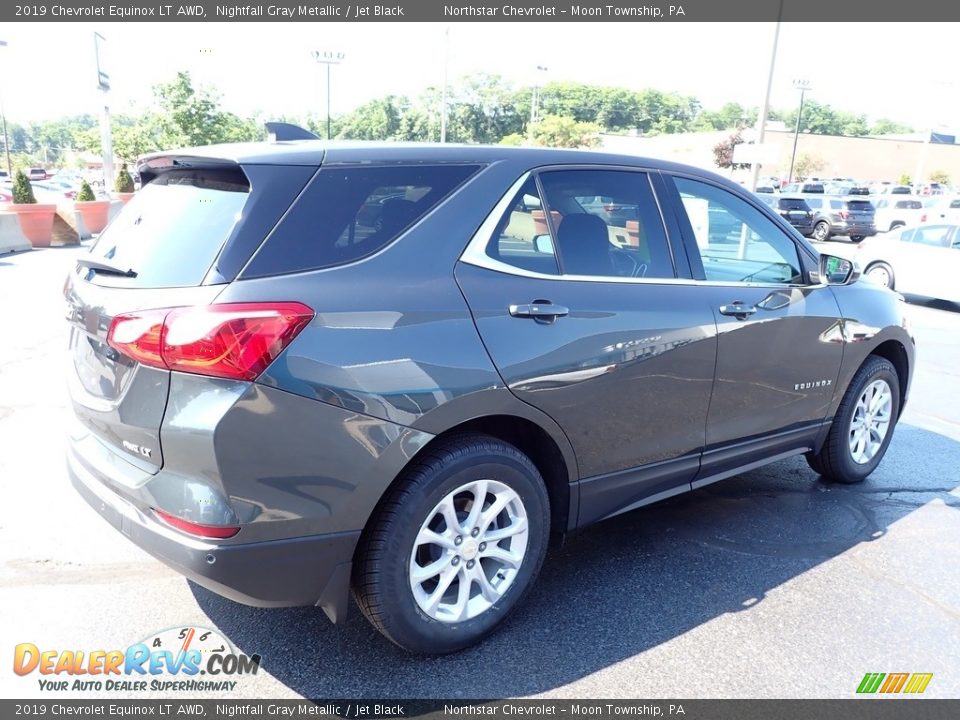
x: 191, y: 116
x: 940, y: 176
x: 23, y: 190
x: 889, y: 127
x: 374, y: 120
x: 565, y: 132
x: 807, y: 164
x: 86, y: 192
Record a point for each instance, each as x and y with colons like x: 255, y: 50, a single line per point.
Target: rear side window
x: 170, y: 233
x: 909, y: 204
x: 350, y: 212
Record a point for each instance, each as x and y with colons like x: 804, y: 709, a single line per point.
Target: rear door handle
x: 540, y: 311
x: 738, y: 310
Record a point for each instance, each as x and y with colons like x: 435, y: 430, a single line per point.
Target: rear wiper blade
x: 105, y: 268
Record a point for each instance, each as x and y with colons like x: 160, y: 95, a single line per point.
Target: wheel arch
x: 556, y: 463
x: 894, y: 351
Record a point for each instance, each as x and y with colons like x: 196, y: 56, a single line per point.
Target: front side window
x: 931, y: 235
x: 737, y: 243
x: 606, y: 223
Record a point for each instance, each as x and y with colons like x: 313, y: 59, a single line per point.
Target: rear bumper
x: 313, y: 570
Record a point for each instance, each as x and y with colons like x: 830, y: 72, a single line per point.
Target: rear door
x: 157, y: 253
x: 583, y: 315
x: 779, y: 342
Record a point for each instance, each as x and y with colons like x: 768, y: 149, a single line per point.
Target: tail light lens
x: 844, y: 214
x: 236, y: 341
x: 923, y: 218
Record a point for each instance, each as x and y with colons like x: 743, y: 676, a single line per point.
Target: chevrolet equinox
x: 301, y: 368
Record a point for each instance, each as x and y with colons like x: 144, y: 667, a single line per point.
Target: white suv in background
x: 893, y: 211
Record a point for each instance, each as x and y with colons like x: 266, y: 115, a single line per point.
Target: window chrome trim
x: 476, y: 254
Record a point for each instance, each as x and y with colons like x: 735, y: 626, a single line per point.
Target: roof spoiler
x: 281, y: 131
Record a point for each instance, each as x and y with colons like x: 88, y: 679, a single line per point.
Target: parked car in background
x: 805, y: 187
x: 794, y: 210
x: 37, y: 173
x: 834, y: 216
x: 6, y: 195
x: 942, y: 208
x: 53, y: 192
x: 919, y: 260
x: 893, y: 211
x: 845, y: 188
x: 282, y: 409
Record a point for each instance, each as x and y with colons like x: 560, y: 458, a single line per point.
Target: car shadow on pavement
x: 619, y: 588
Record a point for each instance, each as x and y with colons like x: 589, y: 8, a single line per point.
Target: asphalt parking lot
x: 770, y: 584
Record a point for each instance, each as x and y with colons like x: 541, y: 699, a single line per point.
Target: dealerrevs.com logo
x: 169, y: 660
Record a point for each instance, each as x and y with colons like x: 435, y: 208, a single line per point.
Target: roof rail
x: 280, y: 131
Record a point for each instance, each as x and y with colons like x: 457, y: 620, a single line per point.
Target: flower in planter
x: 23, y: 190
x: 86, y: 193
x: 124, y: 182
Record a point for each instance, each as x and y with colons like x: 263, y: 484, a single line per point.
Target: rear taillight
x: 236, y: 340
x: 923, y: 218
x: 197, y: 529
x: 844, y: 214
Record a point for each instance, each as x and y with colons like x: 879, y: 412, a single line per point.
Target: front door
x: 779, y: 339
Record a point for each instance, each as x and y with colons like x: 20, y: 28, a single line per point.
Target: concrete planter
x: 124, y: 197
x: 36, y: 221
x: 94, y: 213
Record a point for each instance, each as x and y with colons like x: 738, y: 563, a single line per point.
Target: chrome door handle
x: 738, y: 310
x: 539, y: 311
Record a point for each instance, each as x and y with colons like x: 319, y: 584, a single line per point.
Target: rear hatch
x: 795, y: 209
x: 165, y: 249
x: 859, y: 212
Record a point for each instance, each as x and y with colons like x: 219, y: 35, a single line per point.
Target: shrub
x: 23, y: 190
x: 86, y: 192
x: 124, y: 182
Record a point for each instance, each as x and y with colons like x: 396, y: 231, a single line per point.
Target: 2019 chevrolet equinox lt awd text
x: 285, y: 395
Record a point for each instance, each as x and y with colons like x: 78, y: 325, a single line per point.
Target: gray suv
x: 300, y: 368
x: 852, y: 216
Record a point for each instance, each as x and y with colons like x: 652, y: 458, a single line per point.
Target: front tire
x: 863, y: 426
x: 454, y: 547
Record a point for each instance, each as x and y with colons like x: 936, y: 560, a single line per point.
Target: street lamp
x: 803, y: 85
x: 328, y: 58
x: 535, y: 100
x: 443, y: 94
x: 6, y: 140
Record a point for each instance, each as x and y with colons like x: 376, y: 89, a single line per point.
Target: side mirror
x: 543, y: 244
x: 837, y: 270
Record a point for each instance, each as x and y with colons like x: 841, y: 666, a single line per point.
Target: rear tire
x: 863, y: 426
x: 430, y: 531
x: 882, y: 273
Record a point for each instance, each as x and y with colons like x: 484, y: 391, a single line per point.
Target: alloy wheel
x: 870, y: 421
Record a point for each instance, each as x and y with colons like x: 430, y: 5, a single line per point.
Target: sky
x: 47, y: 70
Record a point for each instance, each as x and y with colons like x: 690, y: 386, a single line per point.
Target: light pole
x: 535, y: 100
x: 803, y: 85
x: 6, y: 140
x: 328, y: 58
x: 443, y: 93
x: 762, y: 120
x: 106, y: 138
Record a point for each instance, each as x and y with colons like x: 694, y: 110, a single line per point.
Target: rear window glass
x: 348, y: 213
x: 793, y: 204
x: 860, y: 206
x: 171, y: 231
